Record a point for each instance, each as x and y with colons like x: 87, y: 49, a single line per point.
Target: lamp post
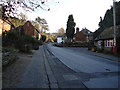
x: 114, y: 21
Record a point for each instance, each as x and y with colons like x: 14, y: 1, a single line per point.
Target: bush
x: 99, y: 50
x: 43, y: 38
x: 55, y: 44
x: 24, y: 47
x: 59, y: 44
x: 9, y: 38
x: 40, y: 42
x: 8, y: 56
x: 94, y: 49
x: 0, y: 48
x: 28, y: 43
x: 24, y: 43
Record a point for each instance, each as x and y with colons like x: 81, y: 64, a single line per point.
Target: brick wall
x: 29, y: 29
x: 79, y: 36
x: 1, y: 27
x: 4, y: 26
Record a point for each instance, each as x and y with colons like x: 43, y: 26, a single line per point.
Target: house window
x: 106, y: 43
x: 109, y: 43
x: 99, y: 43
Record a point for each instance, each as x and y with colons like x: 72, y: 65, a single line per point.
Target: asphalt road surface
x: 80, y: 61
x: 63, y: 67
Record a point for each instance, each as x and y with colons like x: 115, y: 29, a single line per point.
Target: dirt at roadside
x: 11, y: 75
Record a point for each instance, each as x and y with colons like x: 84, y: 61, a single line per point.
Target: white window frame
x: 110, y: 45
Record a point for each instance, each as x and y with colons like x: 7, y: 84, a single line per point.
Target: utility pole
x: 114, y: 21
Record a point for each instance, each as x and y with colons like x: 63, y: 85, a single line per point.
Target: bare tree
x: 43, y: 24
x: 10, y: 7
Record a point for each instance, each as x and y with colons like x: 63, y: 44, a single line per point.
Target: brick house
x: 28, y: 29
x: 4, y: 26
x: 1, y: 22
x: 84, y: 35
x: 31, y: 30
x: 79, y: 37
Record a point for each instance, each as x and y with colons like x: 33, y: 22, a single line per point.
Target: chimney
x: 77, y: 30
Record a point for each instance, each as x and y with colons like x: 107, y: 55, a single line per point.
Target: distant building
x: 60, y: 38
x: 84, y: 35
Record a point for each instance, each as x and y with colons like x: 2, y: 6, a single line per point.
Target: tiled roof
x: 86, y: 32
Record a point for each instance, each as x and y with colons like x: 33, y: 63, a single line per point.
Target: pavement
x: 38, y: 74
x: 102, y: 55
x: 109, y: 57
x: 35, y: 75
x: 0, y: 70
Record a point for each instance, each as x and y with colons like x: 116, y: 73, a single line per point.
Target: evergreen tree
x: 70, y: 28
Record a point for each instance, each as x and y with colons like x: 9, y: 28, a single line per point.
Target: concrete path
x: 38, y: 73
x: 35, y: 75
x: 0, y: 60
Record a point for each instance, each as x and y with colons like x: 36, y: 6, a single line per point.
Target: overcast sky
x: 86, y: 13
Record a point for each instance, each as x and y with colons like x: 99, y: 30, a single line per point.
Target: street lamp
x: 114, y: 21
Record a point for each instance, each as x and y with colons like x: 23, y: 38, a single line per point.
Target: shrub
x: 40, y: 42
x: 8, y: 56
x: 0, y: 48
x: 55, y: 40
x: 24, y: 43
x: 43, y: 38
x: 55, y: 44
x: 99, y: 50
x: 9, y: 38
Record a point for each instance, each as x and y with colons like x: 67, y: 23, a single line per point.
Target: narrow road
x: 82, y: 62
x: 53, y: 67
x: 105, y: 71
